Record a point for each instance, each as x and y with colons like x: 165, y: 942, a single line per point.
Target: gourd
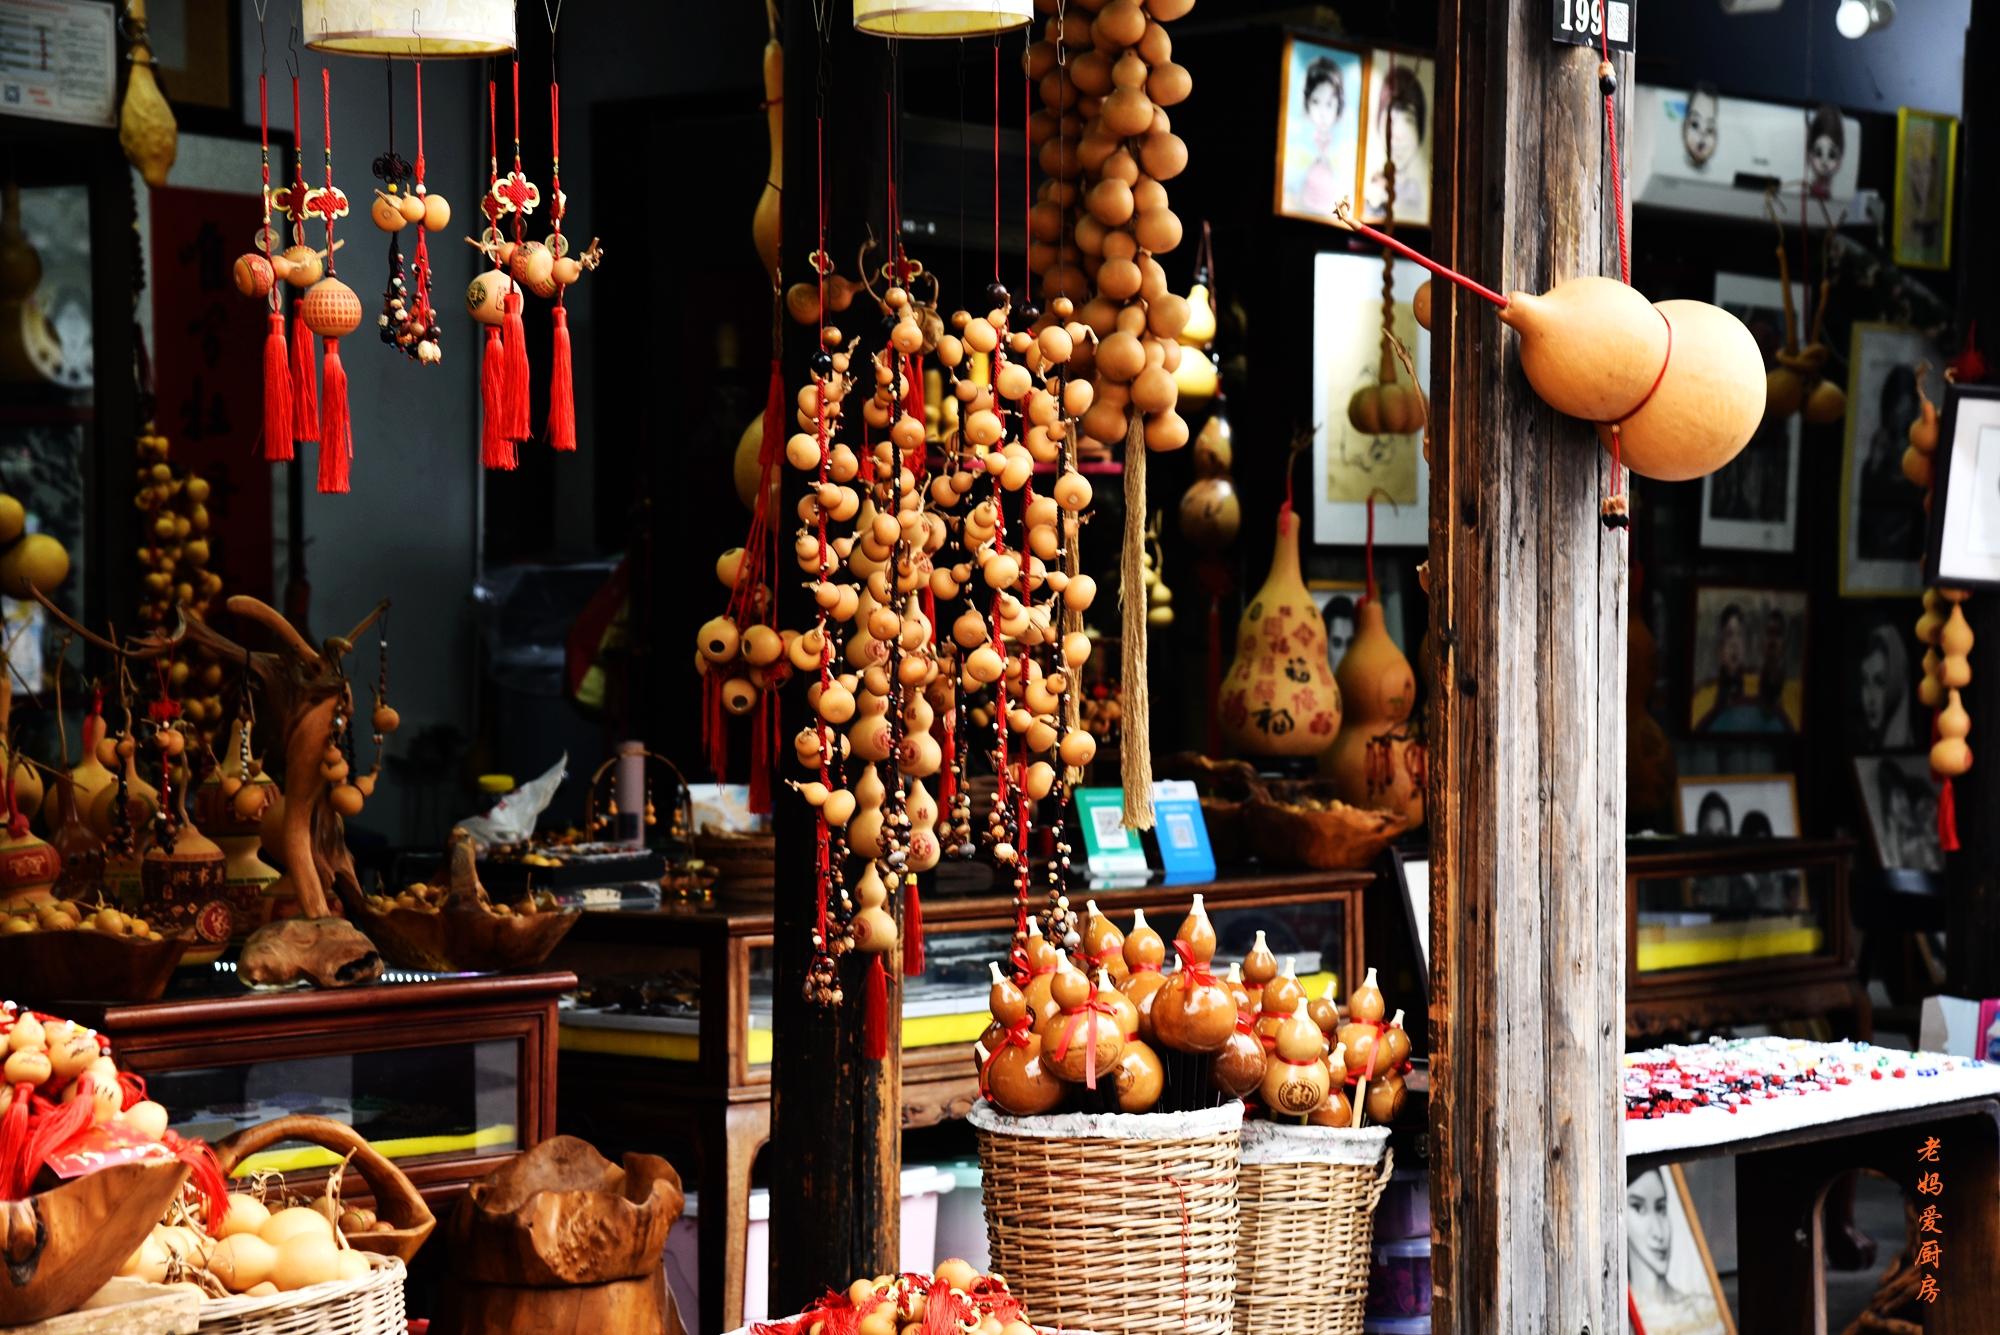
x: 764, y: 222
x: 146, y: 129
x: 1279, y: 697
x: 1373, y: 761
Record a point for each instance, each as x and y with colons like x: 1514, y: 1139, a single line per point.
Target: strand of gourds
x: 1946, y: 637
x: 1100, y: 1027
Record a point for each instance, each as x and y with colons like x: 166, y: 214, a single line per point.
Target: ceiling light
x: 1858, y: 18
x: 941, y: 18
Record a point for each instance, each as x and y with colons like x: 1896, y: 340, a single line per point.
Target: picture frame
x: 198, y: 58
x: 1349, y: 467
x: 1397, y: 122
x: 1322, y: 88
x: 1732, y: 799
x: 1672, y: 1287
x: 1963, y: 544
x: 1899, y: 797
x: 1752, y: 502
x: 1882, y: 523
x: 1747, y: 660
x: 1926, y: 188
x: 1880, y: 668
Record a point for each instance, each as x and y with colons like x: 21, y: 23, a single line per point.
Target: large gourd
x: 1374, y: 762
x: 1683, y: 379
x: 764, y: 223
x: 1279, y: 697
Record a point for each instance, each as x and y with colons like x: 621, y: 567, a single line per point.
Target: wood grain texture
x: 1528, y: 783
x: 838, y: 1211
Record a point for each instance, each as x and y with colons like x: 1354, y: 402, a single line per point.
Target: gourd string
x: 1608, y: 80
x: 326, y: 115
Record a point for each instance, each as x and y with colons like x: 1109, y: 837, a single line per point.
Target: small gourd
x: 1081, y: 1040
x: 1260, y: 966
x: 1239, y: 1067
x: 1374, y: 762
x: 1144, y: 954
x: 1104, y: 944
x: 1296, y: 1080
x: 874, y: 926
x: 1280, y: 1002
x: 1043, y: 959
x: 1137, y: 1077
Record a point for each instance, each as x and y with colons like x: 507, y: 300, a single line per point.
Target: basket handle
x: 1381, y: 1182
x: 383, y: 1177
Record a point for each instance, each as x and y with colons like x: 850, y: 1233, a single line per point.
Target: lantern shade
x: 941, y: 18
x: 441, y: 29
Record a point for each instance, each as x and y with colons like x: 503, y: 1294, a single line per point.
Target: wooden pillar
x: 836, y: 1118
x: 1973, y: 874
x: 1527, y: 721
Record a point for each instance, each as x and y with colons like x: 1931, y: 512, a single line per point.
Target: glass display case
x: 1728, y: 931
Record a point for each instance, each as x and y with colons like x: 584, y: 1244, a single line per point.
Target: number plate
x: 1584, y: 22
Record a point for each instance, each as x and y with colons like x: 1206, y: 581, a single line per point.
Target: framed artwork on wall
x: 1349, y: 466
x: 1926, y: 172
x: 1322, y: 91
x: 1964, y: 540
x: 1739, y: 806
x: 1752, y: 502
x: 1397, y: 131
x: 1879, y: 674
x: 1672, y: 1285
x: 1882, y: 522
x: 1749, y: 655
x: 1900, y: 795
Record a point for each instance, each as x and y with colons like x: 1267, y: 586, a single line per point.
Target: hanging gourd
x: 1375, y: 761
x: 1387, y: 407
x: 1951, y: 757
x: 331, y: 310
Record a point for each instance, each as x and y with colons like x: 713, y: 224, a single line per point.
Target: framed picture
x: 196, y: 54
x: 1337, y: 600
x: 1749, y: 660
x: 1672, y: 1285
x: 1882, y: 522
x: 1900, y: 795
x: 1739, y: 806
x: 1348, y: 466
x: 1926, y: 171
x: 1964, y: 547
x: 1397, y: 132
x: 1879, y: 676
x: 1322, y: 90
x: 1752, y: 503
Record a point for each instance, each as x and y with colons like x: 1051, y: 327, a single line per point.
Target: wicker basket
x: 1116, y: 1223
x: 1307, y: 1196
x: 371, y: 1305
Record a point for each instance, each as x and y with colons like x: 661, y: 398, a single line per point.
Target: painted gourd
x: 1296, y: 1080
x: 1371, y: 761
x: 183, y: 889
x: 1595, y: 348
x: 1279, y: 698
x: 28, y: 868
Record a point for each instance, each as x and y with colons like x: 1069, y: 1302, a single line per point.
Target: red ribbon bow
x: 1016, y: 1036
x: 1197, y: 972
x: 1084, y: 1014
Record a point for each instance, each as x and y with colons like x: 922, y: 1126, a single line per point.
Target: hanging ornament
x: 1387, y: 407
x: 1950, y: 756
x: 255, y: 277
x: 564, y: 269
x: 408, y: 321
x: 330, y: 309
x: 146, y: 129
x: 1799, y: 383
x: 299, y: 266
x: 494, y: 300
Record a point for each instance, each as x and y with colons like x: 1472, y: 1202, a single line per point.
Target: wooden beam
x: 836, y: 1118
x: 1527, y: 728
x: 1972, y: 875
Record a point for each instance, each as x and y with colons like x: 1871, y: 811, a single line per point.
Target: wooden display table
x: 450, y: 1076
x: 707, y: 1076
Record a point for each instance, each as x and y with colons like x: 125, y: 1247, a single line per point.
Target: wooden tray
x: 59, y: 1246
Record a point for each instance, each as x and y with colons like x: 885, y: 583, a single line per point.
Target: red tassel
x: 514, y: 406
x: 277, y: 392
x: 205, y: 1177
x: 1947, y: 818
x: 875, y: 1014
x: 913, y: 929
x: 14, y: 1142
x: 562, y: 393
x: 336, y: 437
x: 53, y: 1130
x: 305, y: 394
x: 495, y: 449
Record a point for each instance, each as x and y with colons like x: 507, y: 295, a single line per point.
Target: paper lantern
x: 941, y: 18
x: 437, y: 29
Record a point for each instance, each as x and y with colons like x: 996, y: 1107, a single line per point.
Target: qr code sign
x: 1618, y: 21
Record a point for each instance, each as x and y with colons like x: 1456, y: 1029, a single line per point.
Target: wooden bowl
x: 42, y: 967
x: 455, y: 939
x: 1305, y: 825
x: 561, y: 1214
x: 396, y: 1200
x: 59, y: 1246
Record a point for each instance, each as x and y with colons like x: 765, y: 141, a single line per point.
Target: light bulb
x: 1852, y: 18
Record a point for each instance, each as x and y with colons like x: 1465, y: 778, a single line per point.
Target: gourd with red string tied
x: 330, y: 309
x: 255, y: 277
x: 563, y: 270
x: 489, y: 299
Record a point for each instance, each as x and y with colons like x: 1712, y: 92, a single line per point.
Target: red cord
x: 996, y: 159
x: 1617, y: 180
x: 1383, y: 238
x: 420, y: 122
x: 1027, y: 181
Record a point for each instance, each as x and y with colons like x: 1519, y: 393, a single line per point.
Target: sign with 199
x: 1594, y: 22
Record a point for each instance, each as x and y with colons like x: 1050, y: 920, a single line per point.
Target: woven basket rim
x: 1226, y: 1120
x: 383, y: 1270
x: 1280, y: 1142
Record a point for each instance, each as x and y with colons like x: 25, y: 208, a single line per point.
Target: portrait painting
x: 1926, y: 163
x: 1752, y: 502
x: 1900, y: 795
x: 1670, y: 1276
x: 1880, y: 668
x: 1397, y: 134
x: 1749, y: 660
x: 1882, y: 525
x: 1319, y: 128
x: 1349, y: 465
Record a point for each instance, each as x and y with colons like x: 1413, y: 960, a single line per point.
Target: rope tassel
x: 305, y: 389
x: 562, y: 393
x: 514, y: 339
x: 496, y: 451
x: 277, y: 391
x: 336, y: 444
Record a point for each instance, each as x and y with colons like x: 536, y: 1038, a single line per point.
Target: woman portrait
x: 1749, y: 661
x: 1319, y: 129
x: 1901, y: 799
x: 1883, y: 702
x: 1399, y: 137
x: 1882, y: 523
x: 1892, y: 512
x: 1672, y: 1285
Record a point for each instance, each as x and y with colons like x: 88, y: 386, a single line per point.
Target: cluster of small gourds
x: 174, y: 563
x: 49, y: 1064
x: 408, y: 321
x: 956, y: 1297
x: 28, y: 560
x: 1798, y: 382
x: 1295, y: 1059
x: 1947, y: 640
x: 1106, y: 142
